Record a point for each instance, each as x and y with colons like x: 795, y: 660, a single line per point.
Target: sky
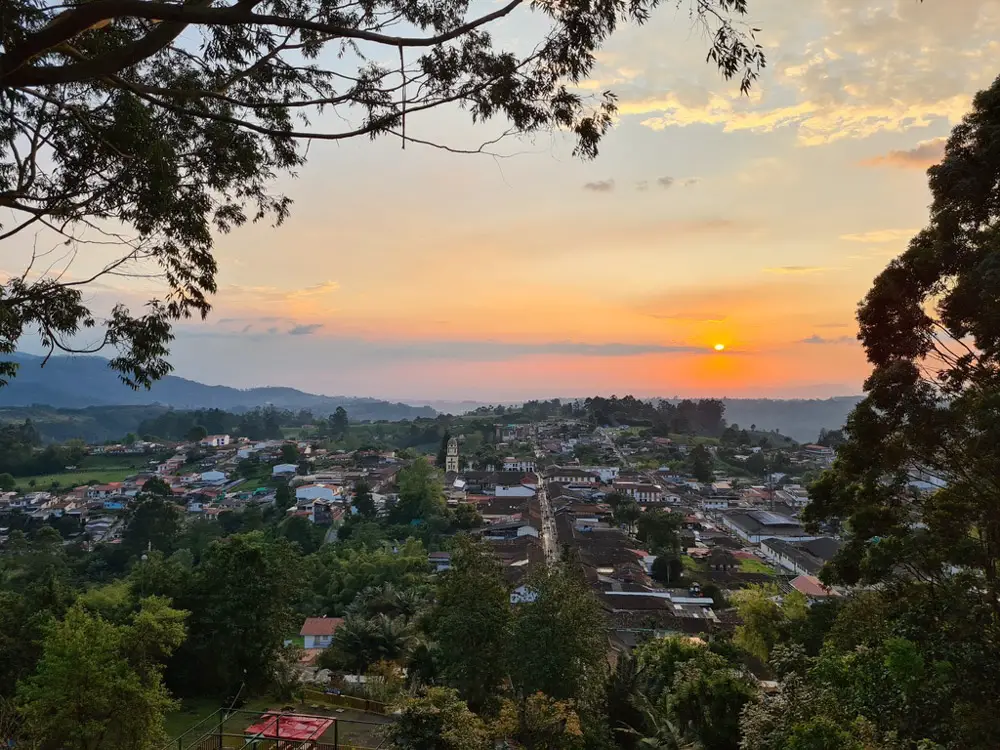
x: 756, y: 222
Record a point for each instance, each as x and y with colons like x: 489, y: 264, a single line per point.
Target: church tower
x: 451, y: 458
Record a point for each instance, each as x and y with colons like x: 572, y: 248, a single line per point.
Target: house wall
x: 316, y: 641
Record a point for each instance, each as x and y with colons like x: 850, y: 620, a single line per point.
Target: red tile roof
x: 321, y: 625
x: 812, y: 586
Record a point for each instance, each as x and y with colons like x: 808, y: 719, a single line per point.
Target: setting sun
x: 720, y: 347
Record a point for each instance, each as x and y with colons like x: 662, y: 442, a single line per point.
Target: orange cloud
x: 922, y: 156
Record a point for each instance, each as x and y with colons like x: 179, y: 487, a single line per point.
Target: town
x: 671, y: 534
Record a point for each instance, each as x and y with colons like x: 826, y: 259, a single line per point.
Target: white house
x: 215, y: 441
x: 317, y: 492
x: 213, y: 477
x: 641, y: 492
x: 518, y: 464
x: 317, y: 632
x: 716, y: 502
x: 284, y: 470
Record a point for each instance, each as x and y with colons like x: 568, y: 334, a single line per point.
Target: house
x: 641, y: 492
x: 101, y: 491
x: 213, y: 477
x: 317, y: 632
x: 317, y: 492
x: 715, y: 502
x: 756, y: 525
x: 812, y: 587
x: 284, y: 470
x: 518, y: 464
x: 215, y: 441
x: 440, y: 561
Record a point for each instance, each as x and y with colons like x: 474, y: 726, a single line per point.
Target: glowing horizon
x: 709, y: 219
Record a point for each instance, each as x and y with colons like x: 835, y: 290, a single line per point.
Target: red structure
x: 297, y: 730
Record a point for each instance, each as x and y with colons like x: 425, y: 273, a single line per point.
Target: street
x: 550, y: 545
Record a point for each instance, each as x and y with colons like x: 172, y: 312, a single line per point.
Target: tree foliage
x: 99, y: 684
x: 473, y: 623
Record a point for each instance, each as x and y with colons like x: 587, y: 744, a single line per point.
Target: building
x: 215, y: 441
x: 451, y: 456
x: 213, y: 477
x: 641, y: 492
x: 812, y: 587
x: 317, y: 632
x: 520, y: 489
x: 518, y: 464
x: 317, y: 492
x: 570, y: 475
x: 756, y: 525
x: 804, y: 558
x: 284, y: 470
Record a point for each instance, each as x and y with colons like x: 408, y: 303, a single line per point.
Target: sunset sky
x: 755, y: 222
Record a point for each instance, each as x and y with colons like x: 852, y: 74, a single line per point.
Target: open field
x: 76, y: 478
x: 755, y: 566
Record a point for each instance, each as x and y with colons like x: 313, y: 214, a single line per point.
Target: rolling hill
x: 81, y: 382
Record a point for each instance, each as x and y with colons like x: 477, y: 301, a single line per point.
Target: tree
x: 627, y: 513
x: 537, y: 722
x: 243, y: 604
x: 667, y: 569
x: 302, y: 532
x: 156, y: 486
x: 341, y: 572
x: 196, y: 434
x: 558, y: 642
x: 472, y: 622
x: 442, y: 453
x: 152, y: 523
x: 659, y: 530
x: 701, y: 463
x: 437, y: 720
x: 659, y: 661
x: 339, y: 423
x: 764, y: 619
x: 121, y: 666
x: 7, y: 483
x: 289, y: 453
x: 362, y: 501
x: 421, y: 495
x: 706, y: 700
x: 361, y: 642
x: 930, y: 329
x: 283, y: 498
x: 466, y: 516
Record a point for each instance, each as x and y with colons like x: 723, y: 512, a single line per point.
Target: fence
x: 224, y: 730
x: 346, y: 701
x: 242, y: 742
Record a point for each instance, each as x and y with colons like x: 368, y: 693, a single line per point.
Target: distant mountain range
x: 80, y: 382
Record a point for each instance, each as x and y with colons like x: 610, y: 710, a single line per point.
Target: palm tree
x: 659, y: 732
